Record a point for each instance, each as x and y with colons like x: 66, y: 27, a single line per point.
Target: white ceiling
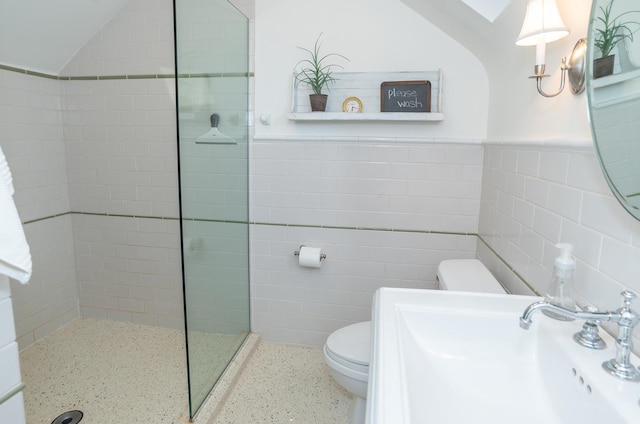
x: 489, y: 9
x: 43, y: 35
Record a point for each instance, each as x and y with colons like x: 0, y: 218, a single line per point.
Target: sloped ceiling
x: 489, y: 10
x: 487, y: 28
x: 43, y: 35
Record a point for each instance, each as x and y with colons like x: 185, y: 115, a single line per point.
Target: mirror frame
x: 622, y: 199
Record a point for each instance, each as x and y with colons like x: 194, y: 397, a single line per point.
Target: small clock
x: 352, y: 104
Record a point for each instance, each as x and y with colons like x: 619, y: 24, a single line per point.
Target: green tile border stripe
x: 516, y: 273
x: 329, y: 227
x: 99, y: 214
x: 388, y: 230
x: 44, y: 218
x: 124, y: 77
x: 271, y: 224
x: 11, y: 393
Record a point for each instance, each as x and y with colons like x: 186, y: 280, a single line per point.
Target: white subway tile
x: 566, y: 201
x: 528, y: 163
x: 537, y: 192
x: 585, y: 174
x: 604, y: 214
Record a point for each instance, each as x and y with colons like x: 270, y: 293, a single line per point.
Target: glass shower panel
x: 212, y: 62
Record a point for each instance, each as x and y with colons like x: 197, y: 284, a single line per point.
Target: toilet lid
x: 352, y: 343
x: 467, y: 275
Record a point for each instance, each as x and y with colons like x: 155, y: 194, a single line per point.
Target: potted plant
x: 317, y: 73
x: 613, y: 29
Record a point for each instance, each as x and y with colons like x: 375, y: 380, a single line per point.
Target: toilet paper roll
x: 310, y: 257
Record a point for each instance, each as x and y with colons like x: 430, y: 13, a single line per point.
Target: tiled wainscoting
x: 50, y: 300
x: 384, y: 212
x: 534, y: 197
x: 129, y: 269
x: 304, y: 305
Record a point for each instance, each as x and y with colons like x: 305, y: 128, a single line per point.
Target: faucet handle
x: 588, y: 336
x: 628, y: 297
x: 621, y: 366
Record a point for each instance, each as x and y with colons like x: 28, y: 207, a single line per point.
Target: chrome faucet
x: 625, y: 317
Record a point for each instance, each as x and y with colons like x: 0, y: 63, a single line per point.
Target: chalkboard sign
x: 405, y: 96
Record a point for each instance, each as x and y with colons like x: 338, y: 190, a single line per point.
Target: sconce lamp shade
x: 542, y: 24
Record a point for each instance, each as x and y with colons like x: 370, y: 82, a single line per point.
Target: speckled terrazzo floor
x: 286, y: 384
x: 114, y: 372
x: 125, y: 373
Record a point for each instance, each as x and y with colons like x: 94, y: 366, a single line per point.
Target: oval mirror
x: 613, y: 92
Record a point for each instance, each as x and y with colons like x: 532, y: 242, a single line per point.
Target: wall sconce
x: 542, y: 25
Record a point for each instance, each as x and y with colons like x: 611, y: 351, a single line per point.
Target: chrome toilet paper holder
x: 297, y: 253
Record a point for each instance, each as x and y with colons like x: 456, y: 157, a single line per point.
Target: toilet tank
x: 467, y: 275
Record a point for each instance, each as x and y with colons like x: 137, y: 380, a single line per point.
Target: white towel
x: 15, y: 258
x: 5, y: 172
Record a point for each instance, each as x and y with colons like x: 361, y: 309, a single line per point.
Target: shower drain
x: 69, y: 417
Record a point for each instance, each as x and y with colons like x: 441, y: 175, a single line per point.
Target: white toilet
x: 347, y: 350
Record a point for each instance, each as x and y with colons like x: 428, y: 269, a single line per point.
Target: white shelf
x: 366, y: 86
x: 615, y: 79
x: 616, y: 89
x: 371, y: 116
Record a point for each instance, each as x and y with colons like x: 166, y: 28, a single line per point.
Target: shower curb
x: 215, y: 400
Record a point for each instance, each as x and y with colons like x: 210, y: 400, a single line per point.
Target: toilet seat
x: 352, y: 343
x: 349, y: 349
x: 346, y: 368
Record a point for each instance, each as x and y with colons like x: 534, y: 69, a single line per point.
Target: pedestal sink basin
x: 452, y: 357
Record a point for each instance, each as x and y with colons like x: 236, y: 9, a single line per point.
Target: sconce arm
x: 574, y: 68
x: 539, y: 74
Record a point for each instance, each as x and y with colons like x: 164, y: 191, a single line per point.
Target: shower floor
x: 116, y: 372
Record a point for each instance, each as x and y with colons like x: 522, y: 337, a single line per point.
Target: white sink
x: 451, y: 357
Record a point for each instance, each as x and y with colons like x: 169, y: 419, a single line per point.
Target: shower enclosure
x: 212, y: 74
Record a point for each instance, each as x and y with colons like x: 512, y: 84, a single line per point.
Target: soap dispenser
x: 560, y: 291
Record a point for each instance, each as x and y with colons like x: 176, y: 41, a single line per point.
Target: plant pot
x: 318, y: 102
x: 603, y: 66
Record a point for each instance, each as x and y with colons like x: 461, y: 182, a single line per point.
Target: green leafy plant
x: 613, y: 29
x: 314, y: 70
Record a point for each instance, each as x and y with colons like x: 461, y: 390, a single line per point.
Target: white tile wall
x: 12, y: 410
x: 8, y: 332
x: 129, y: 269
x: 32, y: 139
x: 434, y: 187
x: 10, y: 367
x: 50, y: 300
x: 216, y: 275
x: 616, y: 126
x: 305, y: 188
x: 122, y: 160
x: 300, y: 305
x: 106, y: 147
x: 565, y: 199
x: 121, y: 150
